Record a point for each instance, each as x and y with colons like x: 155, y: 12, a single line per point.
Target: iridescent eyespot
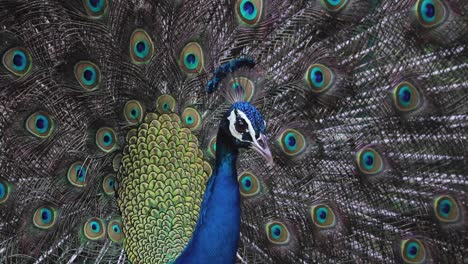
x: 446, y: 209
x: 320, y: 78
x: 40, y: 124
x: 248, y: 184
x: 17, y: 61
x: 88, y: 75
x: 430, y: 13
x: 369, y: 161
x: 244, y: 86
x: 323, y: 216
x: 292, y: 142
x: 165, y: 104
x: 191, y: 58
x: 95, y: 8
x: 334, y: 5
x: 141, y: 47
x: 114, y: 231
x: 277, y: 233
x: 106, y: 139
x: 133, y: 112
x: 76, y: 174
x: 207, y: 168
x: 45, y: 217
x: 413, y: 251
x: 249, y: 12
x: 191, y: 118
x: 94, y: 229
x: 406, y: 97
x: 212, y: 147
x: 5, y: 190
x: 108, y: 185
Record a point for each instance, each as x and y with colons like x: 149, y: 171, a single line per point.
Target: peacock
x: 233, y: 131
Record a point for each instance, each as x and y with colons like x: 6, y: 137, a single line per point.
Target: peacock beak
x: 261, y: 146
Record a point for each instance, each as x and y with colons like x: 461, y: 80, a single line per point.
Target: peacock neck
x: 217, y: 233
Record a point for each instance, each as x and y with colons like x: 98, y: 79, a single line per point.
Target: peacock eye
x: 40, y: 124
x: 191, y: 118
x: 45, y: 217
x: 406, y: 97
x: 108, y: 185
x: 18, y: 61
x: 446, y: 209
x: 248, y: 184
x: 191, y: 58
x: 114, y: 231
x: 333, y: 5
x: 369, y: 161
x: 277, y: 233
x: 249, y: 12
x: 88, y: 75
x: 165, y: 104
x: 212, y: 147
x: 292, y: 142
x: 106, y: 139
x: 5, y: 190
x: 94, y: 229
x: 413, y: 251
x: 77, y: 174
x: 141, y: 47
x: 323, y: 216
x: 430, y: 13
x: 320, y: 78
x: 95, y: 8
x: 133, y: 112
x: 241, y: 125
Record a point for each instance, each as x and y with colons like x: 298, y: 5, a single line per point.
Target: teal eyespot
x: 88, y: 75
x: 249, y: 185
x: 109, y: 185
x: 106, y: 139
x: 277, y: 233
x: 18, y: 61
x: 369, y: 161
x: 413, y: 251
x: 244, y: 86
x: 334, y: 5
x: 446, y: 209
x: 292, y: 142
x: 191, y: 58
x: 406, y: 97
x: 40, y: 124
x: 94, y: 229
x: 212, y: 147
x: 430, y: 13
x: 114, y: 231
x: 323, y: 216
x: 141, y: 47
x: 133, y: 112
x: 165, y: 104
x: 5, y: 191
x: 249, y: 12
x: 319, y: 78
x: 45, y: 217
x: 95, y: 8
x: 76, y: 174
x: 191, y: 118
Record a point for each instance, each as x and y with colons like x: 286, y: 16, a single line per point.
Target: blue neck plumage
x: 216, y: 235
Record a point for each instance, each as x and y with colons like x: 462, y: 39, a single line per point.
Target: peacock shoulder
x: 162, y: 180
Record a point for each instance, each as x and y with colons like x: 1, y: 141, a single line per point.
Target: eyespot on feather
x: 249, y: 12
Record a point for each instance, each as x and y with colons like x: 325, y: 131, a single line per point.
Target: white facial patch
x: 232, y: 125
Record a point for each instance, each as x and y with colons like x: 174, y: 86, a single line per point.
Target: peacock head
x: 247, y: 129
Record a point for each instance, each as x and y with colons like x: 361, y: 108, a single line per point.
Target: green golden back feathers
x: 162, y: 180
